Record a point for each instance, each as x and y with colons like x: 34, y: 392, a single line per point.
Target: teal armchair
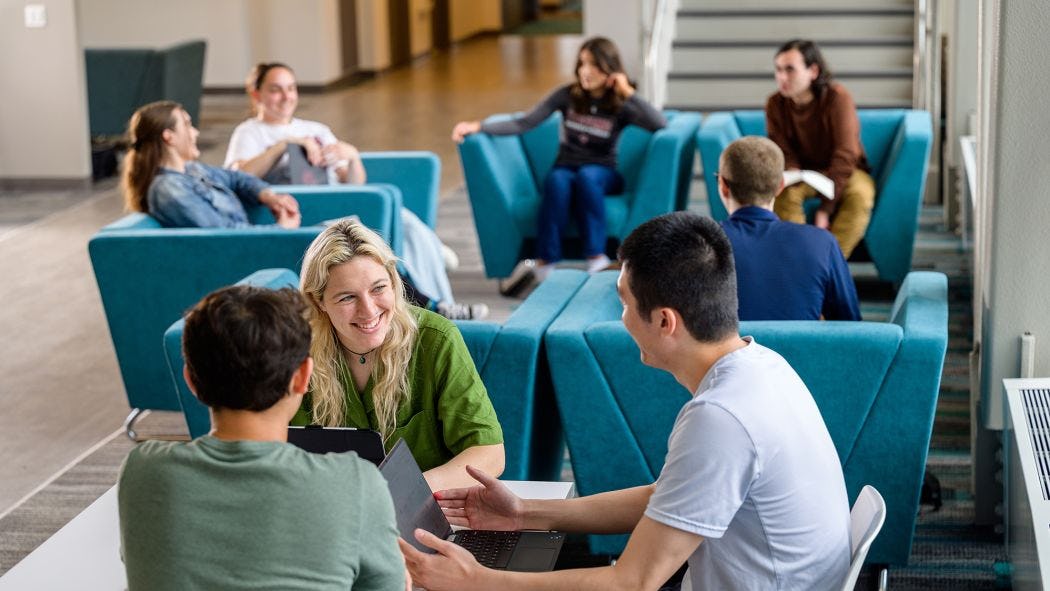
x: 875, y: 384
x: 509, y: 357
x: 147, y: 275
x: 504, y: 176
x: 897, y: 144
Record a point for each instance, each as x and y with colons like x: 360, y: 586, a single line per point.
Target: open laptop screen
x: 414, y: 502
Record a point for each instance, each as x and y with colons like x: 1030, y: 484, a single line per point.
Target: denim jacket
x: 203, y: 197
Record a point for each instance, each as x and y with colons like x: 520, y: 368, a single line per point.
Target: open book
x: 821, y: 183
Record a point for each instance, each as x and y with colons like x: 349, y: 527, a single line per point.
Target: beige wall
x: 469, y: 17
x: 304, y: 33
x: 373, y: 34
x: 44, y: 117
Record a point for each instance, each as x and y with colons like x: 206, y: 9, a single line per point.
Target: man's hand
x: 452, y: 567
x: 284, y: 207
x: 490, y: 505
x: 821, y: 219
x: 620, y: 84
x: 463, y: 129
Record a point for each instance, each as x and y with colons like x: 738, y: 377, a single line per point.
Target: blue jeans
x: 580, y: 191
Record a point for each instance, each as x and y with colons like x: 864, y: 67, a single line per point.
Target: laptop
x: 300, y: 171
x: 524, y: 551
x: 320, y: 440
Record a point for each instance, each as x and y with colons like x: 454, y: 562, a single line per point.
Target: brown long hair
x: 607, y: 58
x: 146, y: 136
x: 811, y: 55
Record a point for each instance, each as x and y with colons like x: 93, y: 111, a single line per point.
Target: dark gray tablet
x: 320, y: 440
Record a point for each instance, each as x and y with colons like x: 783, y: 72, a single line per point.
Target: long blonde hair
x: 338, y: 244
x: 146, y: 134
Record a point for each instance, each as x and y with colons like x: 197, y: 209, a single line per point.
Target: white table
x: 85, y: 553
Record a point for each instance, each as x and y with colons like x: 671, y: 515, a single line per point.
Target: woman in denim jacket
x: 163, y: 178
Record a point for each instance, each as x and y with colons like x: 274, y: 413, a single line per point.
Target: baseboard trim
x: 45, y: 184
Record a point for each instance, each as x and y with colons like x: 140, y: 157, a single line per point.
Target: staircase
x: 722, y: 53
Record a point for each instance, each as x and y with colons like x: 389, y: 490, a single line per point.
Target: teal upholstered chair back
x: 897, y: 145
x: 120, y: 80
x: 148, y: 275
x: 875, y: 384
x: 505, y: 176
x: 509, y: 358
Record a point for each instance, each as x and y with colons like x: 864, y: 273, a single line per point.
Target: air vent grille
x: 1036, y: 403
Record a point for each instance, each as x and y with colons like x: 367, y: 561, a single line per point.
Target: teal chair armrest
x: 718, y: 131
x: 416, y: 173
x: 656, y: 191
x: 198, y: 420
x: 377, y: 206
x: 493, y: 168
x: 895, y: 219
x: 517, y: 377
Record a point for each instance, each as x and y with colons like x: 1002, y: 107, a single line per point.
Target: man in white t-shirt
x: 751, y: 492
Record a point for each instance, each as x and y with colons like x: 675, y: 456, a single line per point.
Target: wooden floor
x: 61, y: 392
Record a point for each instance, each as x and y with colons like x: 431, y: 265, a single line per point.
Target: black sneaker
x: 520, y: 280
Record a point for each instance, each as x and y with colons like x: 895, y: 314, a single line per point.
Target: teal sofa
x: 120, y: 80
x: 509, y: 358
x: 147, y: 275
x: 875, y: 383
x: 897, y: 144
x: 504, y: 176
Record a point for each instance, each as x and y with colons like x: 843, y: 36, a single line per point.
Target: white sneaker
x: 598, y: 263
x: 450, y: 257
x: 463, y: 311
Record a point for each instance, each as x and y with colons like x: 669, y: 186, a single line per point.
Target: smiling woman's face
x: 277, y: 96
x: 359, y: 300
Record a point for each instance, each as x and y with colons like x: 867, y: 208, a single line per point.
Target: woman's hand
x: 313, y: 149
x: 619, y: 83
x: 340, y: 154
x: 463, y: 129
x: 283, y: 206
x: 489, y: 505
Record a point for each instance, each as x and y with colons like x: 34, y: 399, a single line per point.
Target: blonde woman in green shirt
x: 383, y: 364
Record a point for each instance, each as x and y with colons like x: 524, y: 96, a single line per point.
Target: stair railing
x: 658, y: 51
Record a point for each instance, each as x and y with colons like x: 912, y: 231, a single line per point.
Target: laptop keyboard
x: 491, y: 548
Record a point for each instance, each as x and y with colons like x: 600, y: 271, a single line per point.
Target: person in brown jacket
x: 814, y: 121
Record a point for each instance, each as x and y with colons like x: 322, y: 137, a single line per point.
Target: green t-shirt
x: 449, y: 409
x: 214, y: 514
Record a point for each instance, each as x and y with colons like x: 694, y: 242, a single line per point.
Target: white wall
x: 1014, y: 146
x: 44, y: 119
x: 624, y: 25
x: 304, y: 33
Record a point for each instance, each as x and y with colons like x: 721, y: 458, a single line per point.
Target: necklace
x: 361, y: 356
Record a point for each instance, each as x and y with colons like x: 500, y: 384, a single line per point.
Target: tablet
x: 316, y: 439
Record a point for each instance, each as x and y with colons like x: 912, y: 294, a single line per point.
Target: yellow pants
x: 852, y: 214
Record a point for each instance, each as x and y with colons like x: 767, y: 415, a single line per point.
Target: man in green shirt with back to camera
x: 240, y: 508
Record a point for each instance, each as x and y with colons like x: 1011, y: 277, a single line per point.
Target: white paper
x: 821, y: 183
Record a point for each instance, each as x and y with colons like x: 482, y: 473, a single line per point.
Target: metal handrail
x: 920, y: 58
x: 652, y: 53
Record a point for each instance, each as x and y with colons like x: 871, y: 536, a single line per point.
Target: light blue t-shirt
x: 751, y: 468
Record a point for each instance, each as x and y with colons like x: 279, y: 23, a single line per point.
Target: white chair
x: 865, y: 521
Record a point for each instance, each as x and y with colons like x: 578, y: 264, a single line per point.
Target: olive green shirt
x: 215, y: 514
x: 448, y: 410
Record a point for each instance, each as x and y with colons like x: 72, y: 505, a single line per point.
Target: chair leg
x: 884, y: 577
x: 129, y: 423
